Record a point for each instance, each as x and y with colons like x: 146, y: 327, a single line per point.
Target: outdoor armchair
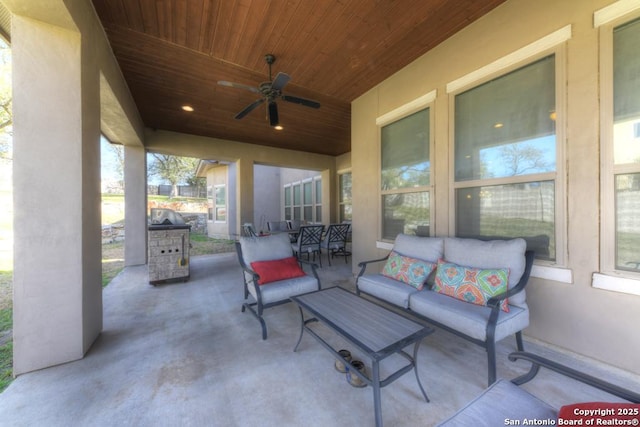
x: 272, y: 274
x: 505, y: 400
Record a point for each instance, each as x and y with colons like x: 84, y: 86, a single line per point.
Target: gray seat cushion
x: 284, y: 289
x: 387, y: 289
x: 467, y: 318
x: 500, y: 402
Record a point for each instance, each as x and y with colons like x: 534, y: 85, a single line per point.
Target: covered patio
x: 184, y: 354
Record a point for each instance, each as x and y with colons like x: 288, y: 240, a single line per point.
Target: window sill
x: 616, y: 283
x: 557, y: 274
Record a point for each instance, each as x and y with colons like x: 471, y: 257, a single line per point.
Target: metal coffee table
x: 376, y: 331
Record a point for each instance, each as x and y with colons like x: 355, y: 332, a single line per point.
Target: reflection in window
x: 405, y: 176
x: 626, y: 144
x: 506, y: 129
x: 405, y: 213
x: 221, y: 202
x: 345, y: 197
x: 628, y: 221
x: 506, y: 211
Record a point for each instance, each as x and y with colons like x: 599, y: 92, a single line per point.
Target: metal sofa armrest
x: 539, y: 361
x: 524, y: 279
x: 363, y: 264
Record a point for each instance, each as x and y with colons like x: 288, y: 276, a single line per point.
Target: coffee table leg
x: 376, y: 392
x: 301, y: 329
x: 416, y: 346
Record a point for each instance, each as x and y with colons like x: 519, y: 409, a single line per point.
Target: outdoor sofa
x: 470, y: 287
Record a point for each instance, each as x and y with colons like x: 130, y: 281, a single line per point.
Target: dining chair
x: 309, y: 240
x: 335, y: 241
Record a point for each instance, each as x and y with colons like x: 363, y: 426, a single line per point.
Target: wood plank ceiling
x: 173, y: 53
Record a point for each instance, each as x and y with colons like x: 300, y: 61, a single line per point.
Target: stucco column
x: 57, y: 251
x: 135, y: 205
x: 244, y: 192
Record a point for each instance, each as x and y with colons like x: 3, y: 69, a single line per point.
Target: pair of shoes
x: 355, y: 380
x: 339, y: 364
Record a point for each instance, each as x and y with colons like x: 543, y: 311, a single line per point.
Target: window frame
x: 342, y: 202
x: 611, y: 278
x: 426, y: 101
x: 217, y: 206
x: 552, y: 44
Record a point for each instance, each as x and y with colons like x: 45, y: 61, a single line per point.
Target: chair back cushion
x: 265, y: 248
x: 490, y: 254
x: 424, y: 248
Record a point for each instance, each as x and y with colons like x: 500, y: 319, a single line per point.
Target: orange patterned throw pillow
x: 474, y: 285
x: 411, y: 271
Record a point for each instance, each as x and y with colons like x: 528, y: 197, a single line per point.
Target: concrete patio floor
x: 183, y: 354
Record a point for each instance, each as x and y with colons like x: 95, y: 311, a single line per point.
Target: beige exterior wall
x: 244, y: 156
x: 569, y: 314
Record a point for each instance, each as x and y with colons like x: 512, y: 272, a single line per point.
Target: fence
x: 183, y: 190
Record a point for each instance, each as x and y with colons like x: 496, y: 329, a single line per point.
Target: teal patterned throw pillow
x: 411, y: 271
x: 474, y: 285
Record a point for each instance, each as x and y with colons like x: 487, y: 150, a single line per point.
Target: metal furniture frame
x: 377, y: 331
x: 335, y: 241
x: 489, y: 344
x: 505, y: 400
x: 309, y: 240
x: 264, y: 298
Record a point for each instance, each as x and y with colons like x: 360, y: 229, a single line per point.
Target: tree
x: 173, y: 169
x: 6, y: 116
x: 520, y: 159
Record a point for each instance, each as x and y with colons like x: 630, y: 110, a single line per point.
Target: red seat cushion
x: 277, y: 269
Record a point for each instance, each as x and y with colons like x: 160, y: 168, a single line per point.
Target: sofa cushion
x: 387, y: 289
x: 501, y: 402
x: 473, y: 285
x: 425, y: 248
x: 490, y: 254
x: 412, y: 271
x: 469, y: 319
x: 277, y: 269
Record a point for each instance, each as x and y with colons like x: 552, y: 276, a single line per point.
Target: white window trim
x: 339, y: 189
x: 552, y: 44
x: 609, y: 278
x: 519, y: 56
x: 420, y: 103
x: 614, y: 11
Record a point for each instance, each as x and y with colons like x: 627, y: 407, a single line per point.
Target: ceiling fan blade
x: 273, y: 113
x: 280, y: 81
x: 239, y: 86
x: 301, y: 101
x: 249, y: 109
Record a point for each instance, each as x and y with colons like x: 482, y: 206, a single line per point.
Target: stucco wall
x: 575, y: 316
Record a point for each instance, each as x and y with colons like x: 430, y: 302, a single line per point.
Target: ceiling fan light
x: 278, y: 127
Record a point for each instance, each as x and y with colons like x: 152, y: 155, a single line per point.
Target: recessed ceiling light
x: 498, y: 125
x: 188, y: 108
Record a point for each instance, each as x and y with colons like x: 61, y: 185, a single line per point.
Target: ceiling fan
x: 270, y: 91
